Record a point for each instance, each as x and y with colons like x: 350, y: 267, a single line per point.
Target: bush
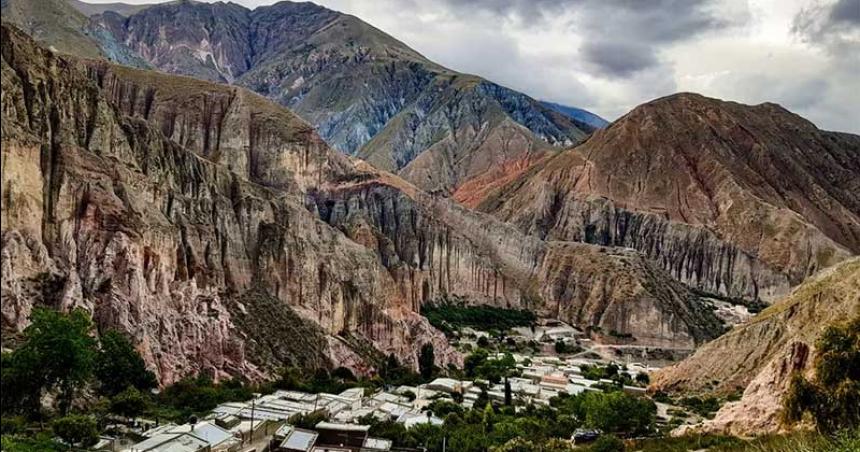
x: 309, y: 420
x: 607, y: 443
x: 76, y: 430
x: 611, y: 412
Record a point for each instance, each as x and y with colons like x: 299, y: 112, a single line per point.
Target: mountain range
x: 368, y: 94
x: 171, y: 208
x: 212, y: 179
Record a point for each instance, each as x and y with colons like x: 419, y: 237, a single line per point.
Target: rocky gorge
x: 171, y: 208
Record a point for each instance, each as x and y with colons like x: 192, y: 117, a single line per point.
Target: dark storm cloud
x: 834, y: 27
x: 846, y: 11
x: 620, y: 37
x: 619, y: 59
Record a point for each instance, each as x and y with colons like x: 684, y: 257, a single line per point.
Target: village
x: 266, y: 422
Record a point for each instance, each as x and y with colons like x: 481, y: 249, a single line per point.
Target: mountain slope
x: 58, y: 24
x: 367, y: 93
x: 175, y: 209
x: 579, y: 114
x: 737, y: 200
x: 760, y: 355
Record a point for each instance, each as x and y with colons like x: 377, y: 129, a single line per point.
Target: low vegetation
x: 449, y: 318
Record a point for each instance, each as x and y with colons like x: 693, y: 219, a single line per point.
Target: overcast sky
x: 610, y: 55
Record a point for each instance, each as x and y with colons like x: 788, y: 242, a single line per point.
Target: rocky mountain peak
x: 759, y: 180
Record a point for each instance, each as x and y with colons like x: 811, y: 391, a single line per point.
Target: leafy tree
x: 118, y: 365
x: 443, y: 408
x: 201, y: 394
x: 58, y: 352
x: 76, y: 430
x: 129, y: 403
x: 833, y: 397
x: 471, y: 363
x: 612, y: 412
x: 308, y: 420
x: 643, y: 379
x: 489, y: 416
x: 426, y: 361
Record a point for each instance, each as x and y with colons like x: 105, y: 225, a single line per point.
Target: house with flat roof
x: 171, y: 442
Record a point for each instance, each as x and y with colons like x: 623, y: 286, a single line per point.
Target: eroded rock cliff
x: 102, y: 209
x: 742, y: 201
x: 438, y: 250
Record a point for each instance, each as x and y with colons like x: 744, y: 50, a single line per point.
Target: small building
x: 446, y: 385
x: 298, y: 440
x: 171, y: 442
x: 348, y: 437
x: 558, y: 381
x: 410, y: 420
x: 376, y: 444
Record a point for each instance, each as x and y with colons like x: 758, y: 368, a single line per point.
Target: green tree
x: 118, y: 365
x: 57, y: 353
x: 488, y: 417
x: 426, y: 361
x: 308, y: 420
x: 833, y: 397
x: 129, y: 403
x: 76, y: 430
x: 612, y: 412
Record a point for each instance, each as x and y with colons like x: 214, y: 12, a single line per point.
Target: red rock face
x: 732, y: 199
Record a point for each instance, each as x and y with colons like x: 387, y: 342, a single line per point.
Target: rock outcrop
x: 740, y: 201
x: 760, y: 356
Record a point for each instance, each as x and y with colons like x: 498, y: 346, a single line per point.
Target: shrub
x: 833, y: 397
x: 607, y: 443
x: 76, y: 430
